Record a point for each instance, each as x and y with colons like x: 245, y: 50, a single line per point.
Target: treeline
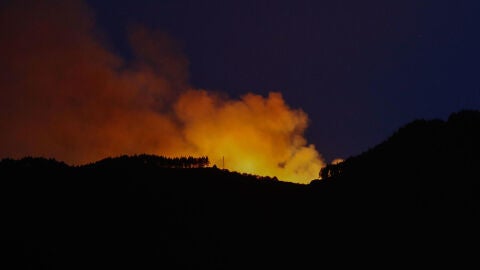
x: 38, y: 162
x: 143, y: 160
x: 158, y: 161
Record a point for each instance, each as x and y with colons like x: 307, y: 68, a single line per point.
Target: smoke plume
x: 65, y: 95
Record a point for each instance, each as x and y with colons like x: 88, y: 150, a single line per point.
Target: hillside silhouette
x: 414, y: 198
x: 427, y: 164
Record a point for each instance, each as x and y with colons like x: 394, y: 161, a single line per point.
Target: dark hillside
x: 431, y: 163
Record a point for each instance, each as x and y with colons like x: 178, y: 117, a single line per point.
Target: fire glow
x: 65, y: 95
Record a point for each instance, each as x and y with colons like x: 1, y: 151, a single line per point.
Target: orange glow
x: 337, y: 161
x: 255, y: 134
x: 65, y: 95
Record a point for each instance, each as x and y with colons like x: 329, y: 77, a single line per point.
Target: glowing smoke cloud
x: 65, y: 95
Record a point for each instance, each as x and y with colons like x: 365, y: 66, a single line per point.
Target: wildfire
x: 65, y: 95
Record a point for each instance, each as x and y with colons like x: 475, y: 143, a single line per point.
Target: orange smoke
x: 65, y: 95
x: 254, y: 134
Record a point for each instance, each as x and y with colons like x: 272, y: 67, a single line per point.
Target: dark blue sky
x: 359, y: 69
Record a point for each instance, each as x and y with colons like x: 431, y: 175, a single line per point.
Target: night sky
x: 359, y: 69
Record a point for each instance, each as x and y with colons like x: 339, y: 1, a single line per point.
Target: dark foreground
x: 145, y: 218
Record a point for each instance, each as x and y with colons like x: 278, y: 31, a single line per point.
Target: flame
x: 65, y: 95
x: 337, y: 161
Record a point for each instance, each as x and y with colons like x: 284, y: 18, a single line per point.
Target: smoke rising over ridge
x: 65, y: 95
